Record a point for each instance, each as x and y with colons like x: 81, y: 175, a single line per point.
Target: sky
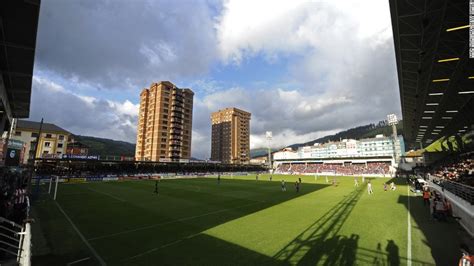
x: 304, y: 69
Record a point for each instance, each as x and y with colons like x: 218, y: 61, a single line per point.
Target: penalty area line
x: 161, y: 247
x: 96, y: 255
x: 77, y: 261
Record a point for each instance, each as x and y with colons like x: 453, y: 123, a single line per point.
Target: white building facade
x: 378, y: 147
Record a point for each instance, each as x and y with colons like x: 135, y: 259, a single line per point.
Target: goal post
x: 53, y: 180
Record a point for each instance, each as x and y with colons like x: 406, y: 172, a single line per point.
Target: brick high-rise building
x: 230, y: 136
x: 164, y: 123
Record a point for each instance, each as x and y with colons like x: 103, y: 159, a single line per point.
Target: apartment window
x: 166, y: 105
x: 45, y: 152
x: 165, y: 116
x: 17, y: 133
x: 163, y: 152
x: 60, y: 145
x: 47, y: 144
x: 164, y: 127
x: 165, y: 110
x: 163, y: 140
x: 163, y: 134
x: 163, y: 145
x: 166, y: 99
x: 34, y: 135
x: 48, y: 136
x: 61, y: 137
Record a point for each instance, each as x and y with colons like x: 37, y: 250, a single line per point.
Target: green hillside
x: 106, y: 147
x: 361, y: 132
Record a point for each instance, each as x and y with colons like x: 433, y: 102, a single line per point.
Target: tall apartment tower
x: 165, y: 123
x: 230, y: 136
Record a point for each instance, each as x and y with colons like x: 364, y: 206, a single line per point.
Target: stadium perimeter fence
x: 15, y: 239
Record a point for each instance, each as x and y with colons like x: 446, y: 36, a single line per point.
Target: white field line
x: 409, y: 231
x: 107, y: 194
x: 162, y: 246
x: 77, y: 261
x: 101, y: 261
x: 171, y: 222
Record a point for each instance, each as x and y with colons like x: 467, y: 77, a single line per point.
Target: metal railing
x: 463, y: 191
x: 15, y: 239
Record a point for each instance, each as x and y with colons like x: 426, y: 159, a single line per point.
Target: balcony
x: 174, y: 143
x: 178, y: 115
x: 175, y: 149
x: 177, y: 120
x: 175, y: 138
x: 179, y: 100
x: 177, y: 109
x: 177, y: 127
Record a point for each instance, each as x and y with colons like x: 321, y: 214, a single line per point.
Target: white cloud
x: 278, y: 26
x: 83, y: 115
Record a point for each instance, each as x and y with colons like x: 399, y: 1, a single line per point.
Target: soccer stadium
x: 397, y: 193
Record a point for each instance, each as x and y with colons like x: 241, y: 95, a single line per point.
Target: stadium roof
x: 435, y: 74
x: 32, y: 125
x: 18, y: 27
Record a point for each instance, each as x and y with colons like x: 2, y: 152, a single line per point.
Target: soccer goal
x: 52, y: 184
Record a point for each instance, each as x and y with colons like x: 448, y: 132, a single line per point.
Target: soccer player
x: 271, y: 177
x: 392, y: 186
x: 363, y: 179
x: 369, y: 188
x: 283, y: 185
x: 327, y: 181
x: 297, y: 186
x: 156, y: 187
x: 218, y: 178
x: 385, y: 187
x: 256, y: 177
x: 356, y: 182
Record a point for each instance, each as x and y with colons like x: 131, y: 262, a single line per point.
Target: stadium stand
x: 458, y: 168
x: 370, y: 168
x: 81, y: 168
x: 14, y: 222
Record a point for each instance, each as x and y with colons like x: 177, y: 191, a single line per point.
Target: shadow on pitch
x: 321, y: 242
x: 443, y: 238
x: 146, y: 221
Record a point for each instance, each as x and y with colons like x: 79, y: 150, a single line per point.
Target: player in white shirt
x: 369, y: 188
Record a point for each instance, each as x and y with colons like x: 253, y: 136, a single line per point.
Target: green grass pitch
x: 240, y: 221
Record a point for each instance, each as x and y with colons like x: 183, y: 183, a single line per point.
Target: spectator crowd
x: 458, y: 168
x: 378, y: 168
x: 13, y: 195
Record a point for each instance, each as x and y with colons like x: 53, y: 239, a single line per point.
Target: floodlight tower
x: 393, y: 121
x: 268, y: 135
